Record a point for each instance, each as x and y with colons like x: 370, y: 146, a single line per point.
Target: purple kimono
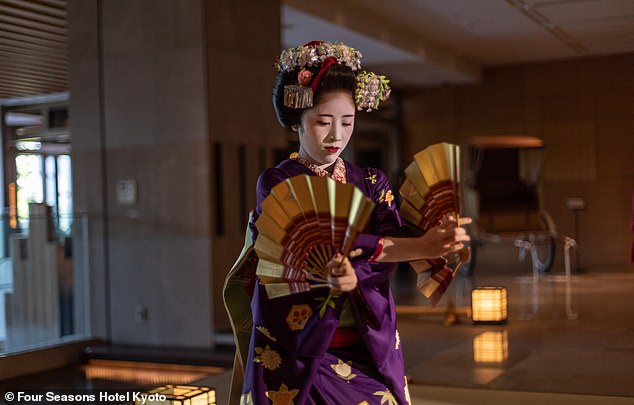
x: 290, y: 361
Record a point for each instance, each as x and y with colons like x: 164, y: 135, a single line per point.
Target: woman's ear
x: 295, y: 127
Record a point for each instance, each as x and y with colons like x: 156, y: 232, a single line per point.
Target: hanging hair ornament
x: 296, y: 96
x: 299, y: 95
x: 371, y: 88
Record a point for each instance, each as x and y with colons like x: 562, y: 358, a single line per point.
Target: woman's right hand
x: 341, y: 275
x: 447, y: 237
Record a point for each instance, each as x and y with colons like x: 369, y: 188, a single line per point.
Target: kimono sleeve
x: 267, y: 180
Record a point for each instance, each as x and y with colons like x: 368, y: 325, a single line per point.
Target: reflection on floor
x: 564, y: 343
x: 563, y: 337
x: 110, y: 376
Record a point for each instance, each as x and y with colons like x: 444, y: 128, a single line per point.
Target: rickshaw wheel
x: 545, y: 245
x: 545, y: 252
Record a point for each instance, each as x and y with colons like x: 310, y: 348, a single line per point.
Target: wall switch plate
x: 126, y: 192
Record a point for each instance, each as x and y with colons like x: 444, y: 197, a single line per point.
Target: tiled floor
x: 566, y: 343
x: 548, y: 351
x: 573, y: 337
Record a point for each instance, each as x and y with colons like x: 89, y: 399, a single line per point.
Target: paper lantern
x: 178, y: 395
x: 489, y: 305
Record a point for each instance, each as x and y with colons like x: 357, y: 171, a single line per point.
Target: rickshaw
x: 501, y: 193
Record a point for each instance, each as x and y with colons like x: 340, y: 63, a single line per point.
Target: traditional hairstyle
x: 317, y: 68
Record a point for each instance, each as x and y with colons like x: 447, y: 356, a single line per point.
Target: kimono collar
x: 338, y: 174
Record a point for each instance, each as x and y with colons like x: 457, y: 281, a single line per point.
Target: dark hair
x: 337, y: 77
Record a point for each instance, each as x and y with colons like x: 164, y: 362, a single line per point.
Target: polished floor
x: 581, y: 346
x: 565, y: 335
x: 567, y: 340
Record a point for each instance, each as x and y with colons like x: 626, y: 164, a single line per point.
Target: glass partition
x: 43, y: 245
x: 43, y: 280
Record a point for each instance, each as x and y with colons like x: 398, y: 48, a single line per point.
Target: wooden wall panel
x: 583, y: 110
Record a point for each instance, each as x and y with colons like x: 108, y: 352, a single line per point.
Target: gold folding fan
x: 304, y: 221
x: 430, y: 191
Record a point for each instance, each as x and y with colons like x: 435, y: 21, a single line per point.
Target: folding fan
x: 430, y: 191
x: 304, y: 221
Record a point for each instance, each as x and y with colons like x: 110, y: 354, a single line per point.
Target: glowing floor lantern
x: 489, y: 305
x: 179, y: 395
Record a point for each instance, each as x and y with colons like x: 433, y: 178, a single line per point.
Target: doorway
x: 36, y: 272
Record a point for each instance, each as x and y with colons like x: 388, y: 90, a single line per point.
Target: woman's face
x: 326, y: 128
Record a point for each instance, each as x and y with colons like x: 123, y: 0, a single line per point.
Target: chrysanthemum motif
x: 343, y: 370
x: 269, y: 358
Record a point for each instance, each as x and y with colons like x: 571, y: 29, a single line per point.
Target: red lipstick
x: 332, y: 149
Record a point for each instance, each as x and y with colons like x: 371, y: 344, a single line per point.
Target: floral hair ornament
x: 371, y: 89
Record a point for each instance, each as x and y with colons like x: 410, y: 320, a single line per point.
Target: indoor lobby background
x: 169, y: 122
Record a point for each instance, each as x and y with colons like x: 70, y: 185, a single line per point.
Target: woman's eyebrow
x: 332, y: 116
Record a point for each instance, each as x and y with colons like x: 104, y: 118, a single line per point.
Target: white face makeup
x: 326, y: 128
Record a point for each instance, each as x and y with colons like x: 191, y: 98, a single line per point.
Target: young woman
x: 351, y: 353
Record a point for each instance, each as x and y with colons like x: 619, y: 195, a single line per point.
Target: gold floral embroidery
x: 407, y: 397
x: 398, y: 340
x: 266, y: 332
x: 246, y: 399
x: 343, y: 370
x: 372, y: 178
x: 363, y: 403
x: 269, y: 358
x: 387, y: 197
x: 283, y: 396
x: 386, y: 396
x: 298, y: 316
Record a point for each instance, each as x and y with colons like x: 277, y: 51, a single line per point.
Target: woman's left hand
x: 341, y: 275
x: 447, y: 237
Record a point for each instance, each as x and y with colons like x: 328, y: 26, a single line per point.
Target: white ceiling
x: 414, y: 42
x: 430, y: 42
